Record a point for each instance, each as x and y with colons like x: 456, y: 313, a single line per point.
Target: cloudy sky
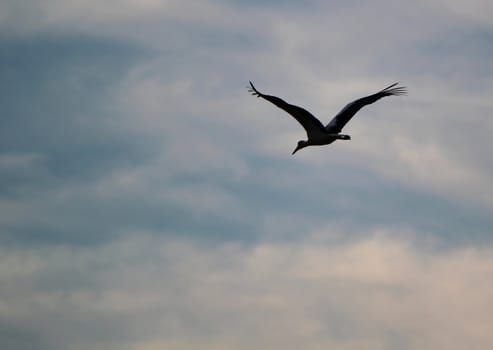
x: 147, y: 201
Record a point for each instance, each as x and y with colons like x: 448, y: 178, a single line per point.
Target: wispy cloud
x: 379, y: 293
x: 148, y: 201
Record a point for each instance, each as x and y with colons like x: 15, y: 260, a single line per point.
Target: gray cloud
x: 59, y: 127
x: 143, y: 292
x: 147, y: 201
x: 57, y: 101
x: 124, y: 118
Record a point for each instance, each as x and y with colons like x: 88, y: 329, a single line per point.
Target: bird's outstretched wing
x: 337, y: 123
x: 312, y: 125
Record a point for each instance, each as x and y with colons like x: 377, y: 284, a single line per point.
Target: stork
x: 324, y: 135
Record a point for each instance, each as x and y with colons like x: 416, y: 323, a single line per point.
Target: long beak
x: 296, y: 150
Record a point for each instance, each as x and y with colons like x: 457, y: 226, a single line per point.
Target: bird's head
x: 301, y: 144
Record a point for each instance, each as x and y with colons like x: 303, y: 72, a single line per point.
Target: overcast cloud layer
x: 147, y: 201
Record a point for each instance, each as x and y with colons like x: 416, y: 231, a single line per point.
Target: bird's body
x: 317, y: 133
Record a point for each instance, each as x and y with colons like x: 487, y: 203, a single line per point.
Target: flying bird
x: 323, y: 135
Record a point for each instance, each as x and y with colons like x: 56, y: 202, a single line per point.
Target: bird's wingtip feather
x: 396, y: 91
x: 390, y: 86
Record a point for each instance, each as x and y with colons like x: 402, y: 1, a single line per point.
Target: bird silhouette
x: 323, y: 135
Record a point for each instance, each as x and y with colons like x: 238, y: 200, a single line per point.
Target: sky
x: 148, y: 201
